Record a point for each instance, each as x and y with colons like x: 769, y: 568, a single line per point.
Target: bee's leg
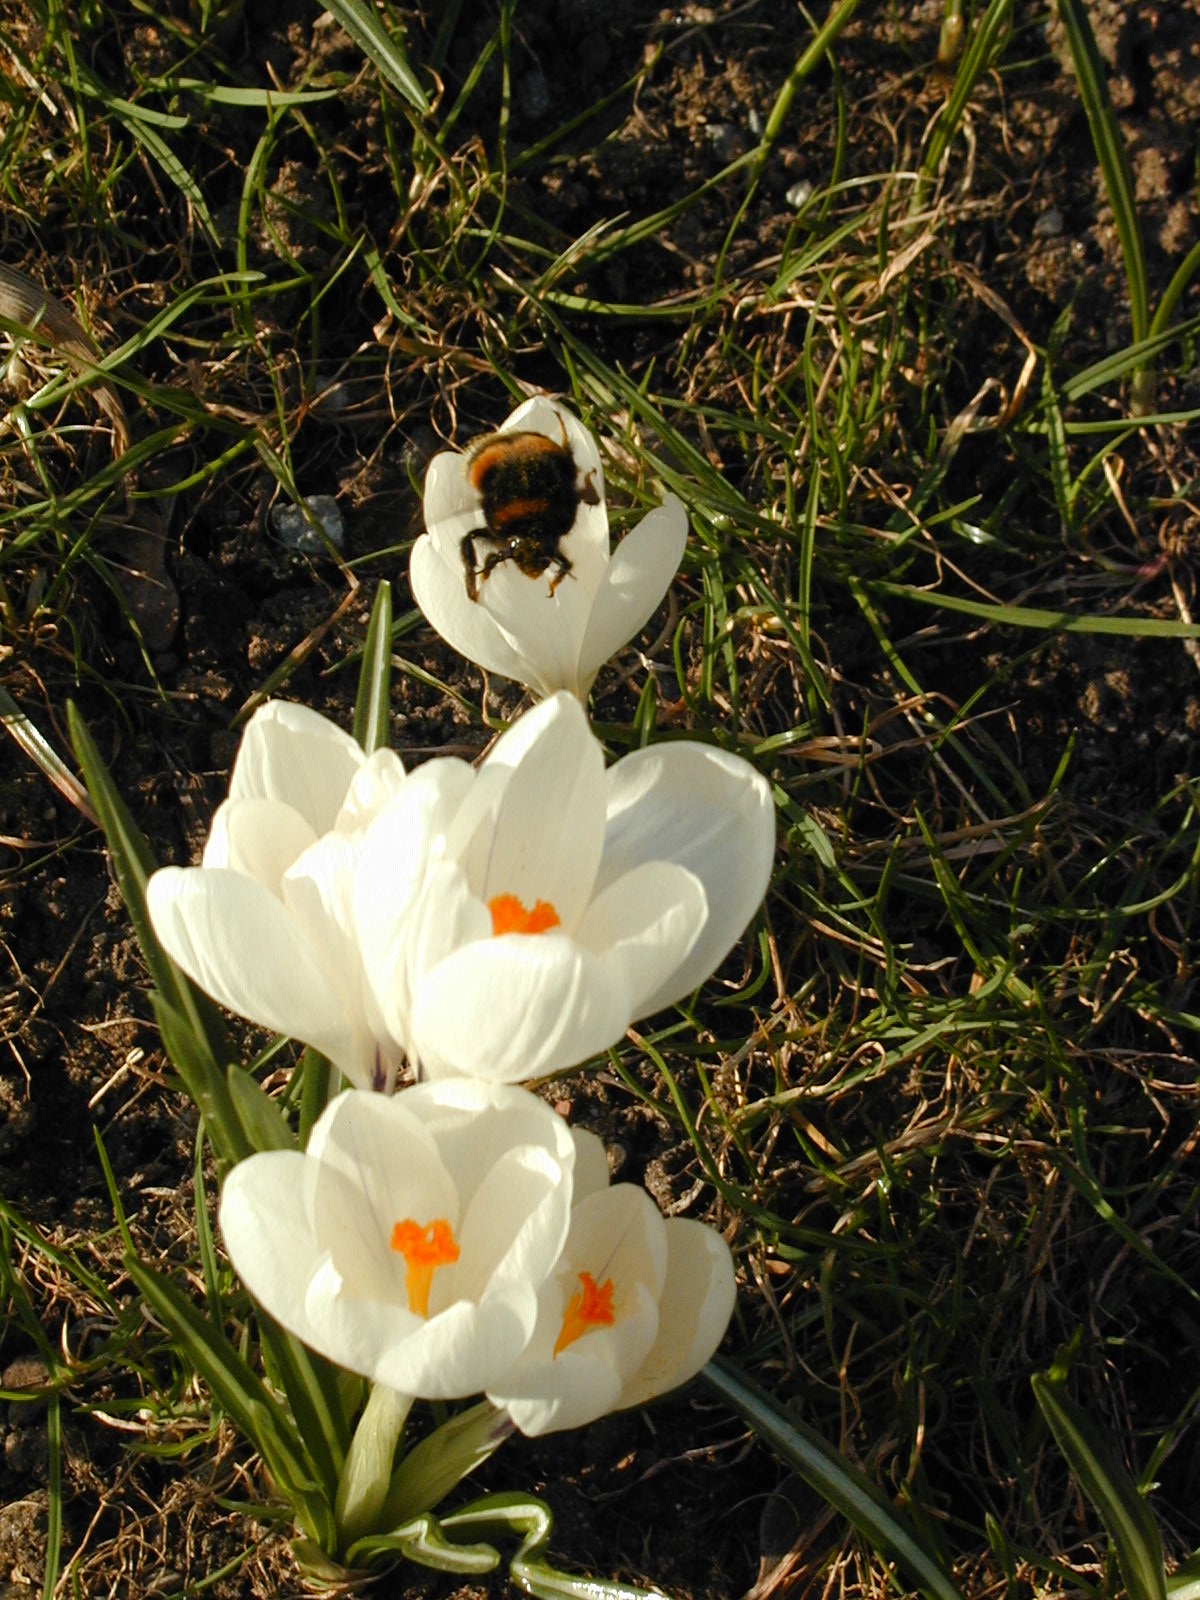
x: 467, y: 550
x: 506, y: 552
x: 564, y: 565
x: 588, y: 493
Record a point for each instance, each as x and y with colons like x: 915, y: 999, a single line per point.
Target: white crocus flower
x: 636, y: 1305
x: 515, y: 920
x: 503, y: 922
x: 556, y: 629
x: 409, y: 1241
x: 264, y: 923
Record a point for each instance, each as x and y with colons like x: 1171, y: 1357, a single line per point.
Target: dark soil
x: 675, y: 1495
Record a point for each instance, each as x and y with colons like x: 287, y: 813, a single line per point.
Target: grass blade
x: 39, y: 750
x: 1124, y: 1512
x: 374, y: 683
x: 54, y: 1518
x: 191, y: 1026
x: 1110, y: 152
x: 824, y: 1470
x: 387, y: 53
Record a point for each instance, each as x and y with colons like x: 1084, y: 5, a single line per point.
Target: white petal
x: 395, y: 859
x: 474, y: 1123
x: 446, y: 916
x: 550, y: 825
x: 293, y: 754
x: 711, y: 813
x: 516, y: 1008
x: 467, y: 627
x: 566, y: 1391
x: 268, y: 1234
x: 238, y: 943
x: 468, y: 838
x: 514, y: 744
x: 634, y: 583
x: 371, y: 1143
x: 515, y: 1228
x: 318, y: 891
x: 619, y: 1233
x: 258, y: 837
x: 375, y: 785
x: 357, y: 1331
x: 445, y: 1357
x: 544, y: 629
x: 647, y: 922
x: 463, y: 1349
x: 694, y: 1309
x: 591, y: 1164
x: 452, y: 508
x: 544, y: 1392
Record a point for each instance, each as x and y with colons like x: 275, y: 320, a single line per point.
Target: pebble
x: 533, y: 94
x: 1049, y: 225
x: 294, y: 529
x: 725, y: 139
x: 799, y: 194
x: 331, y: 394
x: 755, y: 124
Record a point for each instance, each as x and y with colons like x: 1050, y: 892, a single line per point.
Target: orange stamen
x: 424, y: 1249
x: 510, y: 916
x: 592, y: 1307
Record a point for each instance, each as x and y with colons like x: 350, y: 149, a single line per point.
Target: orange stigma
x: 510, y: 916
x: 424, y: 1249
x: 592, y: 1307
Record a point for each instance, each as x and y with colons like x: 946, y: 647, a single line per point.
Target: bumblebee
x: 530, y: 491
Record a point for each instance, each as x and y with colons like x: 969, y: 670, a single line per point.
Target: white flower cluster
x: 479, y: 928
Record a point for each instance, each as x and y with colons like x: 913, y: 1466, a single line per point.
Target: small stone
x: 1049, y: 225
x: 165, y: 1581
x: 25, y: 1372
x: 331, y: 394
x: 533, y: 95
x: 799, y: 194
x: 26, y: 1450
x: 755, y: 124
x: 296, y: 531
x: 726, y: 140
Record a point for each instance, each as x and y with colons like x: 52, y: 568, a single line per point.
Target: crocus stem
x: 363, y: 1486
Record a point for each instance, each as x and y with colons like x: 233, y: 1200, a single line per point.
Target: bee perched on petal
x: 531, y: 491
x: 521, y: 502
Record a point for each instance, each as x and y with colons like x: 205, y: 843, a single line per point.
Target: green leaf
x: 1110, y: 152
x: 429, y: 1541
x: 984, y: 46
x: 1034, y: 617
x: 1065, y: 490
x: 192, y: 1030
x: 423, y: 1541
x: 264, y: 1123
x: 54, y: 1517
x: 242, y: 1395
x: 1184, y: 1582
x: 40, y: 751
x: 1101, y: 1476
x: 375, y: 678
x: 202, y: 1078
x: 366, y: 28
x: 442, y: 1459
x: 834, y: 1479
